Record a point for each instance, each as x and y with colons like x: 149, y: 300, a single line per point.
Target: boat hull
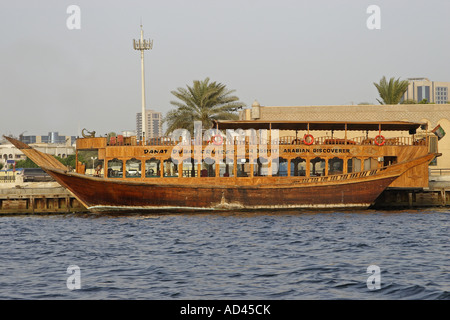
x: 107, y: 195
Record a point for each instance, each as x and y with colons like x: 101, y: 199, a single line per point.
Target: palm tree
x: 392, y: 92
x: 205, y: 101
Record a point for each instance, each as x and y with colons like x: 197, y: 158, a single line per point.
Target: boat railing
x: 161, y: 141
x: 394, y: 141
x: 330, y: 140
x: 312, y: 179
x: 341, y: 177
x: 284, y: 140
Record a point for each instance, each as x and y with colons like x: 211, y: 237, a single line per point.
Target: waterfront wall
x: 37, y: 198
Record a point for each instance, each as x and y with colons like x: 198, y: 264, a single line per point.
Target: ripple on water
x: 265, y: 255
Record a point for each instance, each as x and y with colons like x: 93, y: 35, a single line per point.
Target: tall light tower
x: 142, y: 45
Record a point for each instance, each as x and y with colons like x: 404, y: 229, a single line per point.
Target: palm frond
x: 204, y: 101
x: 391, y: 92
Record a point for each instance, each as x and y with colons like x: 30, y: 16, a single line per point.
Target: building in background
x: 53, y: 143
x: 9, y: 152
x: 422, y: 88
x: 154, y: 124
x: 52, y: 137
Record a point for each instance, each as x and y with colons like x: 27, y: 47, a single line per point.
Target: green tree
x: 67, y: 161
x: 27, y: 163
x: 111, y: 134
x: 205, y: 101
x: 391, y: 92
x: 409, y: 101
x: 85, y: 157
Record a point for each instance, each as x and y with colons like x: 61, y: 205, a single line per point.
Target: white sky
x: 279, y: 52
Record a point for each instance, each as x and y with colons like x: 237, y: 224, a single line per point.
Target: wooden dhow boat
x: 244, y: 165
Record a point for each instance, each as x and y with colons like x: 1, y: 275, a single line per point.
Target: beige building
x: 423, y: 88
x: 9, y: 152
x: 432, y: 114
x: 153, y: 124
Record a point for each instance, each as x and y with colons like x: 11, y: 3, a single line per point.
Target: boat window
x: 98, y: 168
x: 298, y: 167
x: 90, y: 160
x: 226, y: 168
x: 189, y: 168
x: 353, y: 165
x: 335, y: 166
x: 115, y: 168
x: 243, y: 167
x: 317, y: 167
x: 170, y: 169
x: 387, y: 161
x: 281, y: 168
x: 261, y: 167
x: 153, y: 168
x: 370, y: 164
x: 133, y: 168
x: 208, y: 168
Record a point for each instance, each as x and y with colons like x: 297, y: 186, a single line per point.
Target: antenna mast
x: 142, y: 45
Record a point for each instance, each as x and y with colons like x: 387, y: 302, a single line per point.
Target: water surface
x: 255, y: 255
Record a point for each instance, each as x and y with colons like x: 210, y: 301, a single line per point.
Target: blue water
x: 258, y: 255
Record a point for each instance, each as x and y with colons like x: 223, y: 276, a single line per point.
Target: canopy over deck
x: 320, y: 125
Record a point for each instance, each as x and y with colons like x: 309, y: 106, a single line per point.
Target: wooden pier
x: 412, y: 198
x: 38, y: 199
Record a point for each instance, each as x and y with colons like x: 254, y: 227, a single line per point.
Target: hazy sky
x: 282, y: 53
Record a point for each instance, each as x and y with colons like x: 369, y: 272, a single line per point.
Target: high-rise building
x: 52, y: 137
x: 422, y: 88
x: 153, y: 123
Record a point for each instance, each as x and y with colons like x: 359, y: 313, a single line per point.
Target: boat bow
x: 43, y: 160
